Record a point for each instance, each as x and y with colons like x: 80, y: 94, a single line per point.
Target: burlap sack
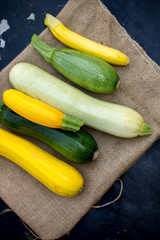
x: 48, y: 214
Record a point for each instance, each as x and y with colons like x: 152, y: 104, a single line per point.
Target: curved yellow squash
x: 55, y: 174
x: 39, y: 112
x: 76, y: 41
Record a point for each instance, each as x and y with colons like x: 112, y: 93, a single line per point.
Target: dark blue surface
x: 136, y: 215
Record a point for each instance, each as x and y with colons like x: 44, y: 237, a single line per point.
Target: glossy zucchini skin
x: 85, y: 70
x: 79, y: 147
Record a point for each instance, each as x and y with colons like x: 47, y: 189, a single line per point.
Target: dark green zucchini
x: 79, y: 147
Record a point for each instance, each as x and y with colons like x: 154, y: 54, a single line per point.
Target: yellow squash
x: 83, y: 44
x: 39, y: 112
x: 58, y: 176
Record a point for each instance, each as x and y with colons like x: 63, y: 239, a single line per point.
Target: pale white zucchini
x: 107, y: 117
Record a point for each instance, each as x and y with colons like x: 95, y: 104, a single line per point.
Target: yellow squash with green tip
x: 39, y: 112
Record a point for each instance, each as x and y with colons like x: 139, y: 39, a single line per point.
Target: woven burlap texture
x: 48, y: 214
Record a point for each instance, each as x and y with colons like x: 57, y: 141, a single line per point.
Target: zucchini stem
x: 145, y: 129
x: 71, y: 123
x: 44, y: 49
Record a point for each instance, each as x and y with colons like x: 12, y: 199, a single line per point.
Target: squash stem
x: 45, y: 50
x: 51, y: 21
x: 71, y: 123
x: 145, y: 129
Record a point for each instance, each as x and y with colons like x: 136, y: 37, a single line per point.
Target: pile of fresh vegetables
x: 48, y: 109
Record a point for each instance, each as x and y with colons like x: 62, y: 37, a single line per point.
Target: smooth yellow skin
x: 32, y: 109
x: 58, y: 176
x: 83, y: 44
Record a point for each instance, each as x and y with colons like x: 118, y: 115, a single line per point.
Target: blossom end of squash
x: 128, y: 61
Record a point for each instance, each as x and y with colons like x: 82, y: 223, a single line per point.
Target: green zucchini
x: 83, y: 69
x: 79, y: 147
x: 108, y: 117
